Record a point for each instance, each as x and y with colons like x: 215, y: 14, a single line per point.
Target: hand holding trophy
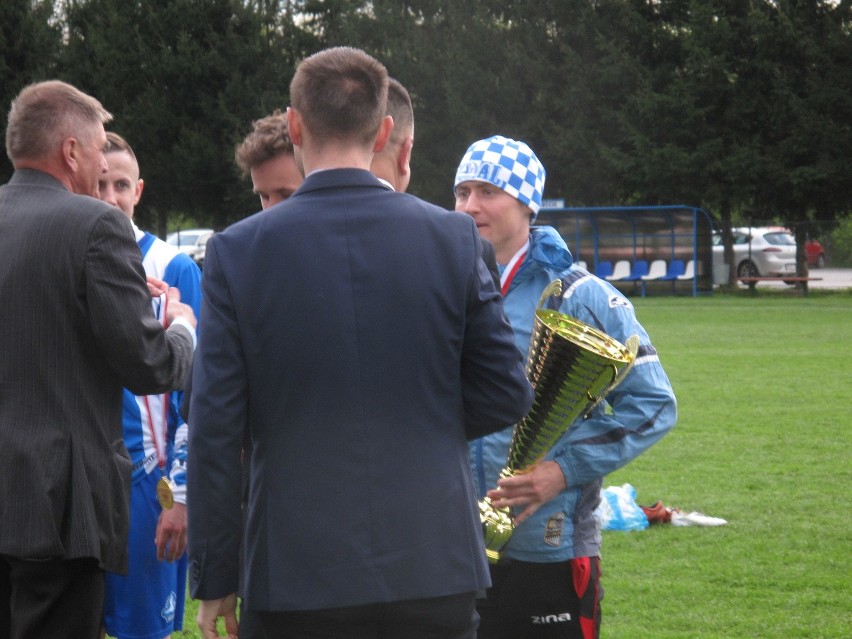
x: 572, y: 367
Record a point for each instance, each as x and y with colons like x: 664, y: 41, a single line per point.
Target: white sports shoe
x: 695, y: 519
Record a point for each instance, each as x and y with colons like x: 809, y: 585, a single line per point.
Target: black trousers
x: 56, y: 598
x: 451, y: 617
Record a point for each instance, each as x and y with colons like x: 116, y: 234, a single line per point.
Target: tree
x: 30, y: 38
x: 184, y: 80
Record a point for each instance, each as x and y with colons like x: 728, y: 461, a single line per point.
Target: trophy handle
x: 554, y: 288
x: 632, y: 346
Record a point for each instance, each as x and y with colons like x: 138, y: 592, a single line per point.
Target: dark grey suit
x: 75, y: 326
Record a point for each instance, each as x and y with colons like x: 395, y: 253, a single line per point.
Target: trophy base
x: 496, y: 528
x: 493, y: 556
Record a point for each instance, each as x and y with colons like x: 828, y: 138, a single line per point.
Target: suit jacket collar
x: 340, y: 178
x: 35, y: 177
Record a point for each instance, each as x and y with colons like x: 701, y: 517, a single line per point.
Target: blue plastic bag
x: 618, y: 509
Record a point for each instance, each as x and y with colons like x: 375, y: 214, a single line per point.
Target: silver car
x: 193, y: 242
x: 759, y: 252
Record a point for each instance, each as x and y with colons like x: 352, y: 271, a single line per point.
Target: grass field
x: 763, y: 440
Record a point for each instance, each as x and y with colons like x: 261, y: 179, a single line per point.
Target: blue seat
x: 660, y: 273
x: 640, y: 268
x: 675, y: 270
x: 602, y: 269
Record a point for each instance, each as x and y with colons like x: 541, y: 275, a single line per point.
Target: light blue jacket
x: 636, y: 414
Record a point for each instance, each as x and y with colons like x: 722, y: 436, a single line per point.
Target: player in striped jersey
x: 149, y: 602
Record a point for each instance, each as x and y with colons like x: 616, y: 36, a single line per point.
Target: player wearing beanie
x: 548, y: 585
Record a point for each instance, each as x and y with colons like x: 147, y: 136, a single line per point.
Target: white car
x: 193, y: 242
x: 759, y: 252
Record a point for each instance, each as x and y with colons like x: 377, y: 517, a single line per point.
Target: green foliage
x: 29, y: 43
x: 839, y: 244
x: 184, y: 85
x: 739, y: 107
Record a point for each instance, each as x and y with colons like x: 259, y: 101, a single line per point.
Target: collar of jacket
x: 548, y: 250
x: 339, y: 178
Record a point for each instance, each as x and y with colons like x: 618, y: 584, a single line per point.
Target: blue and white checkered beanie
x: 507, y: 164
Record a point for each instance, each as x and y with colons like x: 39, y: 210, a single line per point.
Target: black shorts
x: 531, y: 600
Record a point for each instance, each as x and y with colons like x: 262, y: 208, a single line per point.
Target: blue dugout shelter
x: 652, y: 249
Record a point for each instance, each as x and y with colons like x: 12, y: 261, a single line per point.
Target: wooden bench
x: 791, y: 279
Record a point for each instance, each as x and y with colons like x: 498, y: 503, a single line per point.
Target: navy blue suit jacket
x: 358, y: 335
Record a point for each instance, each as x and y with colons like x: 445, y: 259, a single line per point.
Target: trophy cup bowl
x: 572, y: 367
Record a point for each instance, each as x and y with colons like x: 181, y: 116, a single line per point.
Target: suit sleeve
x: 146, y: 359
x: 495, y: 387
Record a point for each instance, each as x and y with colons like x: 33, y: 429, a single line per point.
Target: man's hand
x: 210, y: 611
x: 530, y: 489
x: 175, y: 309
x: 171, y: 533
x: 156, y: 287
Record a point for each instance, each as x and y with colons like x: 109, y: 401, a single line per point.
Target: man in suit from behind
x: 375, y: 349
x: 393, y: 163
x: 75, y: 327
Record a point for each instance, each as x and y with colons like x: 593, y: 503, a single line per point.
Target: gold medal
x: 165, y: 494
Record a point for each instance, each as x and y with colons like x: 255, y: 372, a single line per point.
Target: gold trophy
x: 572, y: 367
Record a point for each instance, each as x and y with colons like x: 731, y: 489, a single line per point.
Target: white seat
x: 688, y: 272
x: 581, y: 264
x: 656, y: 270
x: 620, y: 271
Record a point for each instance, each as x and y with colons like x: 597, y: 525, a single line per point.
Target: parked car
x: 759, y: 251
x: 815, y: 254
x: 193, y: 242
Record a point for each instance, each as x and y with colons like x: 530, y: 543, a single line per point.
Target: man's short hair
x: 269, y: 138
x: 116, y: 143
x: 45, y: 113
x: 341, y: 94
x: 401, y: 110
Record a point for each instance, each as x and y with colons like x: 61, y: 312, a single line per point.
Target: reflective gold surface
x: 572, y: 366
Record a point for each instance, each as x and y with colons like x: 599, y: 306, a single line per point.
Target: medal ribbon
x: 160, y: 442
x: 512, y: 268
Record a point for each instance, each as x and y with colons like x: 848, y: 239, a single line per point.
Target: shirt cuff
x: 179, y: 321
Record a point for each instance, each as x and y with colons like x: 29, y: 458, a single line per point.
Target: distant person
x: 549, y: 583
x: 76, y: 325
x: 357, y: 335
x: 266, y: 155
x: 149, y: 600
x: 392, y: 164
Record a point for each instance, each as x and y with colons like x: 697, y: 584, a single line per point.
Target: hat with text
x: 509, y: 165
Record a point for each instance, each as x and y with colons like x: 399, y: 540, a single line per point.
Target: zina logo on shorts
x: 546, y: 619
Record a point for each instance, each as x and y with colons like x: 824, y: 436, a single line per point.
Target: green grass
x: 763, y: 440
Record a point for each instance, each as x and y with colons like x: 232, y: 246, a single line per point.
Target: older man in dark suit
x: 75, y: 326
x: 357, y: 334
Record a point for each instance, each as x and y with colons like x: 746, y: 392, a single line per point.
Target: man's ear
x: 140, y: 185
x: 383, y: 135
x: 294, y: 126
x: 403, y: 160
x: 70, y: 150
